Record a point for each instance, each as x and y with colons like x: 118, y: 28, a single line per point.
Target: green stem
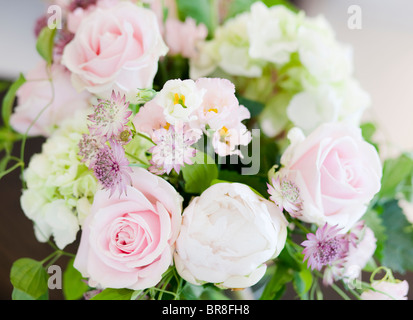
x: 145, y: 137
x: 136, y: 158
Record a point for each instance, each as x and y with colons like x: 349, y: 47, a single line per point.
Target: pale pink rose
x: 182, y: 37
x: 384, y: 290
x: 57, y: 97
x: 336, y: 171
x: 75, y: 17
x: 128, y: 240
x: 220, y: 107
x: 115, y: 48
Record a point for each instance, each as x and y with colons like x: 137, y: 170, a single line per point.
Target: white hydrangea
x: 228, y: 50
x: 327, y: 102
x: 326, y: 59
x: 308, y: 63
x: 273, y: 32
x: 60, y: 188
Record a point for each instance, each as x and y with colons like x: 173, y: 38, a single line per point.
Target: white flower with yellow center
x: 179, y: 100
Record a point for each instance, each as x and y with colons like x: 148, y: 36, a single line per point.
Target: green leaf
x: 202, y: 11
x: 238, y: 6
x: 199, y: 175
x: 20, y: 295
x: 367, y: 130
x: 286, y: 3
x: 395, y: 171
x: 45, y: 43
x: 73, y: 285
x: 302, y: 282
x: 8, y: 100
x: 398, y: 248
x: 29, y: 278
x: 276, y: 286
x: 114, y: 294
x: 208, y: 292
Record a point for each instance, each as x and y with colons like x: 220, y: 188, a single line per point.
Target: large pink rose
x: 128, y: 241
x: 46, y: 103
x: 115, y: 48
x: 336, y: 171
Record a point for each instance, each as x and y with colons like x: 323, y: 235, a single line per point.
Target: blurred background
x: 383, y: 52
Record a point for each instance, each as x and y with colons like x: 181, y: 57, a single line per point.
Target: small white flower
x: 179, y: 99
x: 227, y: 140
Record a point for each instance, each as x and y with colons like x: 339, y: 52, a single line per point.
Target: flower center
x: 179, y: 99
x: 327, y: 251
x: 290, y: 191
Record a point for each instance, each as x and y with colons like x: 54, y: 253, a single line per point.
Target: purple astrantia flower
x: 111, y: 168
x: 326, y: 247
x: 285, y: 195
x: 110, y: 117
x: 173, y: 148
x: 89, y: 147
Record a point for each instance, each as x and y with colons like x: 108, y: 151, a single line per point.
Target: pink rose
x: 76, y: 15
x: 336, y: 171
x: 115, y: 48
x: 128, y: 240
x: 58, y: 98
x: 386, y: 290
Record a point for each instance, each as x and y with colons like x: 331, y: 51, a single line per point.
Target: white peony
x: 227, y: 235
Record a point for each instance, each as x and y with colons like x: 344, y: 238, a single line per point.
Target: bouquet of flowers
x: 203, y: 150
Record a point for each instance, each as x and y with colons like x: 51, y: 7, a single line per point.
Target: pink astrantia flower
x: 173, y: 148
x: 110, y: 117
x: 111, y: 168
x: 325, y: 247
x: 89, y: 147
x: 286, y: 195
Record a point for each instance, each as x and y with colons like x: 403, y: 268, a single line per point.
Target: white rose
x: 227, y: 235
x: 272, y: 32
